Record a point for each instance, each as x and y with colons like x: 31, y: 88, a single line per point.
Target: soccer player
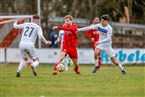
x: 69, y: 43
x: 60, y: 38
x: 94, y: 37
x: 27, y: 49
x: 105, y: 40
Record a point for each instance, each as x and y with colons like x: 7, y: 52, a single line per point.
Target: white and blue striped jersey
x: 105, y: 33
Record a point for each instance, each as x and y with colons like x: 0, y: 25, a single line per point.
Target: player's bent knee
x: 112, y: 59
x: 97, y: 53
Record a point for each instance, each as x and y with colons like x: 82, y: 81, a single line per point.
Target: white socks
x: 21, y: 65
x: 120, y: 66
x: 65, y: 62
x: 35, y: 64
x: 96, y: 63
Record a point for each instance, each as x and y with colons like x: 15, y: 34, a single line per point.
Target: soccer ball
x: 60, y: 67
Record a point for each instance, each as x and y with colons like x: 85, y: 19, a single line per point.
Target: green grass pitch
x: 109, y: 82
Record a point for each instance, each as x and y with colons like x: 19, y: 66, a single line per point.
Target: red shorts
x: 71, y: 51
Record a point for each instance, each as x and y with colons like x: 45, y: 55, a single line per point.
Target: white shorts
x: 107, y: 49
x: 28, y: 50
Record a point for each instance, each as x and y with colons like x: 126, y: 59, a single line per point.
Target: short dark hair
x: 36, y: 16
x: 105, y: 17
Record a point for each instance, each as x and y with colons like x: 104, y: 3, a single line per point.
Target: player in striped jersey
x: 105, y: 40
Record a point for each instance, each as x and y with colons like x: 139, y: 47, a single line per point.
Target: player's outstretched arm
x: 55, y: 27
x: 44, y: 40
x: 93, y: 27
x: 70, y: 28
x: 18, y: 26
x: 41, y: 37
x: 49, y: 42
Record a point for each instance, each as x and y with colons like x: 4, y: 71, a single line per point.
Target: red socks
x: 99, y: 63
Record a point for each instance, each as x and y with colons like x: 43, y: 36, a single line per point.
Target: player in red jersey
x: 69, y: 43
x: 94, y: 37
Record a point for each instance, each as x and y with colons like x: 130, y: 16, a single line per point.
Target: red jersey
x: 92, y: 34
x: 70, y: 35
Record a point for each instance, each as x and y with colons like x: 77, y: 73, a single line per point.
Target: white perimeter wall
x: 2, y: 55
x: 85, y: 55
